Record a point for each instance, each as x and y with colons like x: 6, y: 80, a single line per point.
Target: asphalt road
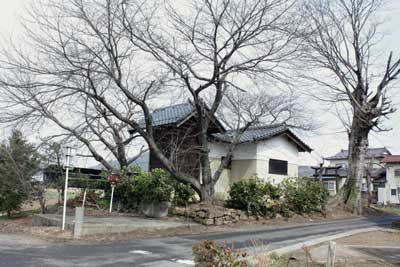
x: 166, y: 252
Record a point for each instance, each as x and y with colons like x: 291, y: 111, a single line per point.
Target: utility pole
x: 66, y: 187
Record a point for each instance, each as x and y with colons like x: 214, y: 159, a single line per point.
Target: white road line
x: 187, y: 262
x: 141, y: 252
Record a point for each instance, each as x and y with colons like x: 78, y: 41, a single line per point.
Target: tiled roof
x: 391, y: 159
x: 262, y: 133
x: 176, y: 113
x: 380, y: 152
x: 171, y: 114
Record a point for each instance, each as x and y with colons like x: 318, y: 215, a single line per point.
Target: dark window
x: 278, y: 167
x: 393, y: 192
x: 397, y: 172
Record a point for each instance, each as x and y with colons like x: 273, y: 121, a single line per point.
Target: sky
x: 330, y: 138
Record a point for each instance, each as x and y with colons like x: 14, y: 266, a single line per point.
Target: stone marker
x: 330, y: 261
x: 78, y: 223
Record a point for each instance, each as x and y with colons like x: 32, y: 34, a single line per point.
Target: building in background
x: 390, y: 192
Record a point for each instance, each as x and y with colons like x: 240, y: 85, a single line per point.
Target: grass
x: 52, y: 194
x: 391, y: 210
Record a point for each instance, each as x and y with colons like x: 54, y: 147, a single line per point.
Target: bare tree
x: 342, y: 42
x: 91, y: 54
x: 210, y: 47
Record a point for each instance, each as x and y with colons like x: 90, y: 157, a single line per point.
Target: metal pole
x: 112, y: 196
x: 66, y: 187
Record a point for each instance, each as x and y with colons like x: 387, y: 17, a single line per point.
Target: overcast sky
x: 330, y: 138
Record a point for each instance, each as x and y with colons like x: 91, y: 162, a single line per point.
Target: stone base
x: 212, y: 215
x: 155, y: 209
x: 93, y: 225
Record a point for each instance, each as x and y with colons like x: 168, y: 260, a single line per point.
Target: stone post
x: 78, y: 223
x: 330, y: 261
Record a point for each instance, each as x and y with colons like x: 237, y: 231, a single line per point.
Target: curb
x: 320, y: 240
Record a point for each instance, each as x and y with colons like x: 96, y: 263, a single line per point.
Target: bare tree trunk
x: 358, y: 143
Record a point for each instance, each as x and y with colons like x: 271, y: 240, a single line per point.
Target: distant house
x: 374, y: 156
x: 335, y: 174
x: 269, y: 152
x: 332, y: 178
x: 390, y: 192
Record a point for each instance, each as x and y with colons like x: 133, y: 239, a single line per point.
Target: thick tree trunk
x: 207, y: 186
x: 358, y: 143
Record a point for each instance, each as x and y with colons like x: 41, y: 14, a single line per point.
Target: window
x: 329, y: 186
x: 397, y: 172
x: 278, y: 167
x: 393, y: 192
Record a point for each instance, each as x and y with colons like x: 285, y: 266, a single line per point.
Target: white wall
x: 252, y: 159
x: 277, y: 148
x: 392, y: 182
x: 217, y: 150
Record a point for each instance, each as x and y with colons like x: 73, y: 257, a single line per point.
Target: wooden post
x: 330, y: 261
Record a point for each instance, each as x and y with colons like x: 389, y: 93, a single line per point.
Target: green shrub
x: 156, y: 185
x: 303, y: 195
x: 137, y: 186
x: 256, y: 197
x: 183, y: 194
x: 209, y: 254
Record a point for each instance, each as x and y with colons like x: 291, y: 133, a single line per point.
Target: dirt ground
x: 372, y: 249
x: 379, y: 238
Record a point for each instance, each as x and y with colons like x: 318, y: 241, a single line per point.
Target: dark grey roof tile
x: 371, y: 153
x: 171, y: 114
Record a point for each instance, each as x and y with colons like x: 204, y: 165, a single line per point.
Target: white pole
x: 112, y: 196
x: 66, y: 187
x: 84, y: 199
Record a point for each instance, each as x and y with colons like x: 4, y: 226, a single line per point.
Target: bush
x: 209, y: 254
x: 303, y: 195
x: 183, y: 194
x: 256, y: 197
x: 156, y: 185
x: 293, y: 195
x: 137, y: 186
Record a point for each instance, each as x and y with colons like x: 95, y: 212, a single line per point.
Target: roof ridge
x: 171, y: 106
x: 274, y: 125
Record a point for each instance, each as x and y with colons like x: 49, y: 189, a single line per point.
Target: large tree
x: 342, y: 44
x: 121, y: 58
